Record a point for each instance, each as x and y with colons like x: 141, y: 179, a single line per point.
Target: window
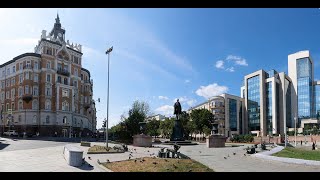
x: 85, y: 99
x: 28, y: 65
x: 65, y: 68
x: 59, y: 79
x: 49, y: 51
x: 34, y: 119
x: 35, y: 79
x: 7, y: 83
x: 8, y: 71
x: 81, y: 76
x: 27, y: 75
x: 36, y: 66
x: 20, y: 107
x: 76, y: 72
x: 65, y: 106
x: 13, y: 81
x: 48, y: 105
x: 14, y: 69
x: 48, y: 119
x: 59, y: 67
x: 20, y: 66
x: 35, y: 104
x: 48, y: 78
x: 7, y: 107
x: 3, y: 73
x: 65, y: 93
x: 65, y: 81
x: 12, y: 93
x: 48, y: 91
x: 12, y: 106
x: 20, y: 91
x: 26, y: 89
x: 64, y: 120
x: 19, y: 118
x: 75, y: 59
x: 20, y: 78
x: 2, y: 96
x: 8, y: 95
x: 2, y: 84
x: 35, y: 91
x: 48, y: 65
x: 75, y: 83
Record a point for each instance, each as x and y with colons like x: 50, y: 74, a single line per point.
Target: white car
x: 11, y: 133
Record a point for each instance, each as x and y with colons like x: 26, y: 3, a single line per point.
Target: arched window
x: 35, y: 104
x: 34, y: 120
x: 48, y: 119
x: 65, y: 106
x: 19, y: 118
x: 20, y: 105
x: 65, y: 81
x: 64, y: 120
x: 48, y: 104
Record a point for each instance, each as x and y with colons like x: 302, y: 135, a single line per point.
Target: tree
x: 138, y: 112
x: 202, y: 119
x: 152, y: 127
x: 166, y: 127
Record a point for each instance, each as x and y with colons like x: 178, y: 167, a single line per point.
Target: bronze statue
x: 177, y: 109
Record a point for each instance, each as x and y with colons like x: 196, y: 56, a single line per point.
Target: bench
x: 73, y: 155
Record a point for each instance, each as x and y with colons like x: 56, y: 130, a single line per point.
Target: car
x: 11, y: 133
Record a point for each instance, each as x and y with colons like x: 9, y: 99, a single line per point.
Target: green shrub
x: 242, y: 138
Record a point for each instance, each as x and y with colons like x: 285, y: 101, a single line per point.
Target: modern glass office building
x: 254, y: 103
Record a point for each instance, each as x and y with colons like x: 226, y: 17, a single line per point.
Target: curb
x: 267, y: 155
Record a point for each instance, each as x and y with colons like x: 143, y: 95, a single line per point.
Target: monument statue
x: 177, y: 109
x: 177, y: 134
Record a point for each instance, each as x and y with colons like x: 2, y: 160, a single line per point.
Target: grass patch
x: 290, y: 152
x: 149, y: 164
x: 103, y: 150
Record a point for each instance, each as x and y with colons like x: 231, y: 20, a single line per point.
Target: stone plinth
x: 73, y: 155
x: 215, y: 141
x: 142, y: 140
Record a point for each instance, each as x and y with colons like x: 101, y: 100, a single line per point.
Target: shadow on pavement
x: 2, y: 145
x: 86, y: 166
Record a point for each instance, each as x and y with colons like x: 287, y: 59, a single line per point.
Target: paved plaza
x: 47, y: 156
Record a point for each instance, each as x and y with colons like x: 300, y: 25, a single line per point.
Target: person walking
x: 313, y: 146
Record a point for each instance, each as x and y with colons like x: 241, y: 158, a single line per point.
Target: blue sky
x: 163, y: 54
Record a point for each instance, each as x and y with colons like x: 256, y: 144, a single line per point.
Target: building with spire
x: 48, y: 91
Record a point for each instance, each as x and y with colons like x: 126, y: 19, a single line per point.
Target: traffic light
x: 104, y: 123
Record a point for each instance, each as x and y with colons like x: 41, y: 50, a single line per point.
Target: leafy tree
x: 190, y: 128
x: 152, y: 127
x: 166, y: 127
x: 202, y: 119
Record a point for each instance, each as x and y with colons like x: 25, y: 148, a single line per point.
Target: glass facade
x: 233, y: 114
x: 254, y: 103
x: 288, y: 105
x: 240, y: 119
x: 317, y: 100
x: 271, y: 73
x: 269, y: 107
x: 304, y: 75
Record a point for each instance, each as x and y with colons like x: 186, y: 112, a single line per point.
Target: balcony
x: 216, y: 106
x: 63, y: 72
x: 27, y: 67
x: 27, y: 98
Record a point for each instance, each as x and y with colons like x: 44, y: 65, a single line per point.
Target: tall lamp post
x: 295, y: 131
x: 108, y: 52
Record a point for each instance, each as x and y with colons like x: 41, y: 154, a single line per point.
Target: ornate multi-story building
x: 48, y: 91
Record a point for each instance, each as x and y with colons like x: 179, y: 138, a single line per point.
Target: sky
x: 160, y: 55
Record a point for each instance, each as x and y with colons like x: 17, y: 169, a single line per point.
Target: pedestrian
x: 301, y: 142
x: 313, y: 146
x: 55, y: 134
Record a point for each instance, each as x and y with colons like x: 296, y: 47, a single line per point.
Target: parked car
x: 11, y: 133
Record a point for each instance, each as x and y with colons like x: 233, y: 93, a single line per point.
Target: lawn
x: 290, y: 152
x: 149, y: 164
x: 103, y: 150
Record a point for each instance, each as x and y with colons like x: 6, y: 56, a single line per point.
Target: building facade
x: 48, y: 91
x: 157, y: 117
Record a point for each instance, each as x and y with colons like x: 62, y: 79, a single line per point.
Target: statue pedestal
x: 142, y: 140
x: 213, y: 141
x: 177, y: 133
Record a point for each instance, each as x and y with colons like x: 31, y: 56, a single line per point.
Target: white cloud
x: 219, y: 64
x: 181, y: 99
x: 211, y: 90
x: 187, y: 81
x: 191, y: 102
x: 165, y: 110
x: 163, y: 97
x: 238, y: 60
x: 230, y: 69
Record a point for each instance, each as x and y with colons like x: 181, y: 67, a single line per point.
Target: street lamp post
x: 295, y: 131
x: 108, y: 52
